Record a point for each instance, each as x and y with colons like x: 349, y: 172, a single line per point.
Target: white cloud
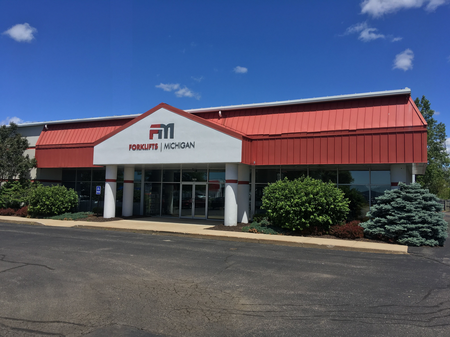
x: 168, y: 86
x: 433, y: 4
x: 378, y: 8
x: 395, y: 39
x: 180, y: 92
x: 198, y: 79
x: 437, y: 113
x: 366, y: 33
x: 404, y: 60
x: 8, y: 120
x: 447, y: 144
x: 240, y: 70
x: 21, y: 32
x: 186, y: 92
x: 448, y: 59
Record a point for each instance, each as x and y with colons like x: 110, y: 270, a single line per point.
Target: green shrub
x: 303, y: 203
x: 409, y: 215
x: 51, y: 200
x: 263, y: 226
x: 71, y: 216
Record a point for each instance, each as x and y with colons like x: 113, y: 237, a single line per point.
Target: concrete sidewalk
x: 199, y: 229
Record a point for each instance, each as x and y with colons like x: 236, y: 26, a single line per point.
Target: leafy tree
x: 437, y: 175
x: 13, y: 163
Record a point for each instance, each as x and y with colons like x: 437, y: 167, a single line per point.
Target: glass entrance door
x: 193, y: 201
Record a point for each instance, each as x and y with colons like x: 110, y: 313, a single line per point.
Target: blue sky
x: 75, y: 59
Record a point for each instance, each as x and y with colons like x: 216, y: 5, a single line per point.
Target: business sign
x: 168, y: 137
x: 98, y: 190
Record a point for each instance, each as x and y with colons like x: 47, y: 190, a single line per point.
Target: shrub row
x: 41, y: 200
x: 23, y: 211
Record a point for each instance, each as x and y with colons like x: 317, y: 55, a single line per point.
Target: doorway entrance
x: 193, y: 200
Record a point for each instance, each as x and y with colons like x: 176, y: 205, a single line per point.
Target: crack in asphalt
x: 30, y: 330
x: 23, y: 264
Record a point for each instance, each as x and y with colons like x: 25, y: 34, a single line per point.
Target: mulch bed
x: 238, y: 228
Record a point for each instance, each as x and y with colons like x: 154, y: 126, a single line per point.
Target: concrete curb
x: 202, y: 231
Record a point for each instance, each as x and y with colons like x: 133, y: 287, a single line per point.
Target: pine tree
x: 410, y: 216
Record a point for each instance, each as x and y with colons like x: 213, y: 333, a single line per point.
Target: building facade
x: 214, y: 163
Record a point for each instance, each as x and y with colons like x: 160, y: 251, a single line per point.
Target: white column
x: 398, y: 174
x: 109, y: 206
x: 231, y: 208
x: 243, y: 193
x: 128, y: 191
x: 253, y: 205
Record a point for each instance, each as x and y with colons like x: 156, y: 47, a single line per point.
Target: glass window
x: 377, y: 190
x: 69, y: 175
x: 359, y: 200
x: 98, y: 175
x: 216, y: 175
x: 152, y: 197
x: 68, y: 184
x: 380, y: 177
x: 84, y: 175
x: 119, y: 193
x: 354, y: 177
x: 171, y: 199
x: 293, y: 173
x: 267, y: 175
x: 194, y: 175
x: 171, y: 175
x: 152, y: 175
x: 120, y: 174
x: 216, y: 198
x: 259, y: 188
x: 137, y: 176
x: 324, y: 175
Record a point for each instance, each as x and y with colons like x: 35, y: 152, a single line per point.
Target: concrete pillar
x: 231, y: 183
x: 243, y: 193
x: 398, y: 174
x: 109, y: 207
x: 128, y: 191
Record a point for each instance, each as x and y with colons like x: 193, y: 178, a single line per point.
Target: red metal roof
x: 77, y: 134
x: 350, y: 115
x: 356, y: 131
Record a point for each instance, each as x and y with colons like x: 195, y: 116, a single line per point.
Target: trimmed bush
x: 409, y: 215
x: 303, y: 203
x: 51, y: 200
x: 7, y: 211
x: 23, y: 212
x: 350, y: 230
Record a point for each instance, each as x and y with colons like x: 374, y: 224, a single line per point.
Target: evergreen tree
x: 410, y: 216
x: 437, y: 175
x: 13, y: 163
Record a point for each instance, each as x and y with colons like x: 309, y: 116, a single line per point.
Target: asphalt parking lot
x: 73, y: 282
